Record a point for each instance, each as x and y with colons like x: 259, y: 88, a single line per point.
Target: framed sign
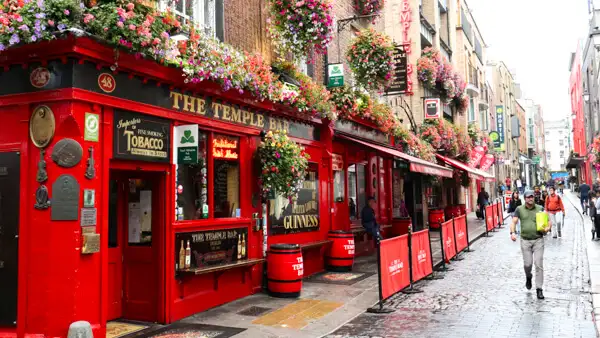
x: 301, y: 215
x: 400, y: 75
x: 433, y: 108
x: 141, y: 137
x: 210, y: 247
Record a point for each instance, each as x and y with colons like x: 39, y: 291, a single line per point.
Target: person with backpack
x: 553, y: 206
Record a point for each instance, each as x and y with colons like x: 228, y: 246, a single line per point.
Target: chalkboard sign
x: 212, y: 247
x: 300, y: 216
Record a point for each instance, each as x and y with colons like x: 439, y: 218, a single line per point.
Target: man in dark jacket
x: 369, y: 220
x: 596, y: 186
x: 482, y: 200
x: 584, y: 196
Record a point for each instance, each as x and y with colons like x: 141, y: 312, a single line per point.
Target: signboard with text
x: 335, y: 75
x: 394, y: 267
x: 400, y: 74
x: 141, y: 137
x: 300, y: 215
x: 500, y: 126
x: 186, y: 143
x: 433, y: 108
x: 212, y: 247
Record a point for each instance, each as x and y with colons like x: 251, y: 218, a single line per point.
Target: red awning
x: 416, y: 164
x: 474, y: 173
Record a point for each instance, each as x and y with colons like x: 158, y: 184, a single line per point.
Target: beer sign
x: 141, y: 137
x: 433, y: 108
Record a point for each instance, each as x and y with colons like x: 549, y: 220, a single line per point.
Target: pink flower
x: 120, y: 24
x: 156, y: 41
x: 132, y: 27
x: 130, y: 6
x: 87, y: 18
x: 67, y: 12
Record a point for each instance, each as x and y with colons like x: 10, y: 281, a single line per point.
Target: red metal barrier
x: 460, y: 231
x: 448, y: 240
x: 421, y: 262
x: 489, y: 218
x: 394, y: 268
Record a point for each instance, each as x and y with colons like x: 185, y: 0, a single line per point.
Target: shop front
x: 366, y: 165
x: 137, y: 193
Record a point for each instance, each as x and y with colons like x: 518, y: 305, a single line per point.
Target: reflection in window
x: 338, y: 185
x: 139, y: 212
x: 225, y: 151
x: 356, y: 189
x: 191, y: 187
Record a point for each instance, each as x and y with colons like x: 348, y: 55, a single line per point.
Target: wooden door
x: 142, y: 222
x: 115, y: 248
x: 9, y: 237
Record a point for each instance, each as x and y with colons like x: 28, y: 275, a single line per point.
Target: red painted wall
x: 577, y: 102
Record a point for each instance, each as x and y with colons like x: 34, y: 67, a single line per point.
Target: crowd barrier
x: 406, y: 259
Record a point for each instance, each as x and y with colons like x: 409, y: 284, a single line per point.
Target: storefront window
x: 225, y: 152
x: 192, y: 187
x: 338, y: 185
x: 356, y: 189
x: 399, y: 209
x: 139, y: 212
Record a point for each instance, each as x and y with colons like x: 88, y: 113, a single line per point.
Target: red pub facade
x: 113, y: 219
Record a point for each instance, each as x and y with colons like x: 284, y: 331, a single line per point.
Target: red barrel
x: 400, y: 226
x: 436, y: 216
x: 463, y: 209
x: 340, y: 256
x: 285, y: 270
x: 452, y: 211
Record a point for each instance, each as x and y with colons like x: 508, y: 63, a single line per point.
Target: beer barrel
x: 452, y: 211
x: 340, y: 256
x: 285, y: 270
x: 436, y: 216
x: 400, y: 226
x: 463, y: 209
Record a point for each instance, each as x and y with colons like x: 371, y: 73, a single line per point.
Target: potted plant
x: 370, y: 57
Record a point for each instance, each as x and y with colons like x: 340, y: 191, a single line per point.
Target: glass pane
x: 191, y: 191
x: 113, y: 227
x: 139, y: 212
x: 352, y: 191
x: 399, y: 209
x: 338, y: 185
x: 361, y: 174
x: 225, y: 150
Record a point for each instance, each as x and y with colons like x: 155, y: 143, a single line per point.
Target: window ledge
x: 213, y: 222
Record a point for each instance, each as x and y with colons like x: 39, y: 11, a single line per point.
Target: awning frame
x: 473, y: 173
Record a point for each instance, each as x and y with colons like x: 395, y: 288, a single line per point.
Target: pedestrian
x: 532, y: 241
x: 596, y: 187
x: 544, y: 197
x: 584, y: 196
x: 593, y: 212
x: 597, y: 221
x: 508, y: 182
x: 553, y: 206
x: 550, y: 183
x: 368, y: 219
x: 519, y: 185
x: 537, y: 196
x: 482, y: 200
x: 515, y: 202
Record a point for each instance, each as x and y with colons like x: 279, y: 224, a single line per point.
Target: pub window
x: 356, y: 189
x: 338, y: 185
x: 226, y: 179
x: 192, y: 186
x: 398, y: 199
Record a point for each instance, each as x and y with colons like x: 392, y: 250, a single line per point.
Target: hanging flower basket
x: 301, y: 27
x: 370, y: 58
x: 441, y: 135
x: 462, y: 178
x: 464, y: 144
x: 594, y: 154
x: 408, y: 143
x: 283, y: 165
x: 368, y: 7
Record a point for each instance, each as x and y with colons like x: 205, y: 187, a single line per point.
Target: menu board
x: 300, y: 216
x: 212, y: 247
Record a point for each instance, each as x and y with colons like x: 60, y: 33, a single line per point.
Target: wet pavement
x: 485, y: 295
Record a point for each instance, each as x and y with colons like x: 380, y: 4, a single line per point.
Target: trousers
x: 533, y: 254
x: 556, y: 221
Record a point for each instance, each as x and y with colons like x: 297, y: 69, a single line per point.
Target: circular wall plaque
x: 42, y: 126
x: 67, y: 153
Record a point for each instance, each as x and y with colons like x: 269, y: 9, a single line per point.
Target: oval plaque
x: 67, y: 153
x: 42, y: 126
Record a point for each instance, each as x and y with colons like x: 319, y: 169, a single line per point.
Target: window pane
x: 139, y: 211
x: 361, y: 183
x: 192, y: 186
x: 352, y: 191
x: 399, y: 210
x: 225, y: 151
x: 338, y: 185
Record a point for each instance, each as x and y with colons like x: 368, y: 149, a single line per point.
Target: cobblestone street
x: 485, y: 295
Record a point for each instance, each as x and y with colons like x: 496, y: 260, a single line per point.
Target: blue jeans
x: 585, y: 200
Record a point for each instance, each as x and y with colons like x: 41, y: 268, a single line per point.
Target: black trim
x: 285, y: 294
x: 338, y: 268
x: 284, y: 253
x: 284, y: 246
x: 283, y: 281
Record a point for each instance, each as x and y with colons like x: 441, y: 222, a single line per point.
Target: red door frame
x: 161, y: 247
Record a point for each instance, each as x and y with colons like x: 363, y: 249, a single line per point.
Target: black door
x: 9, y: 237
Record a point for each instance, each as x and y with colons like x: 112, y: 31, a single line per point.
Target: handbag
x: 541, y: 221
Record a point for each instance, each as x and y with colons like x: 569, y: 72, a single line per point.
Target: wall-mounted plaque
x: 141, y: 137
x: 65, y: 200
x: 91, y: 243
x: 212, y: 247
x: 88, y: 217
x: 67, y: 153
x: 41, y: 198
x: 89, y: 198
x: 42, y: 126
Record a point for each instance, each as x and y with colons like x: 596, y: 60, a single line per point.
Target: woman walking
x: 515, y: 202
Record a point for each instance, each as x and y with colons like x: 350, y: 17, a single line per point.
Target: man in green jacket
x: 532, y: 241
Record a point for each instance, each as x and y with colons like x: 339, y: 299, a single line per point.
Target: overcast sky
x: 535, y: 38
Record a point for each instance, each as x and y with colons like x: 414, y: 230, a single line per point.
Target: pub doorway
x: 9, y: 236
x: 136, y: 228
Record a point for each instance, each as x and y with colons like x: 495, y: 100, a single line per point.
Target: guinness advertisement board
x: 141, y: 137
x: 300, y: 216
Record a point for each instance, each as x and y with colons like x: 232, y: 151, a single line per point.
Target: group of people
x: 548, y: 200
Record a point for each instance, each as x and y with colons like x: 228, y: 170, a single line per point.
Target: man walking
x: 532, y: 241
x: 584, y: 197
x: 482, y: 200
x: 596, y: 186
x: 553, y: 206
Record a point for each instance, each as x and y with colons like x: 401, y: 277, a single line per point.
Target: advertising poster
x: 394, y: 269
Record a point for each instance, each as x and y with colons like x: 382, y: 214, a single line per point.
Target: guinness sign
x: 300, y: 216
x: 141, y: 137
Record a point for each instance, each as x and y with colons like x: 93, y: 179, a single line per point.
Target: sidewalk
x: 593, y: 257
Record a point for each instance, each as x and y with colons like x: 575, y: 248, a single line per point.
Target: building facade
x: 557, y: 136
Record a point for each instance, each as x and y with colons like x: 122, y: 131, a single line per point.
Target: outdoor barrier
x: 489, y: 218
x: 461, y: 233
x: 394, y: 268
x: 500, y: 214
x: 420, y: 253
x: 448, y: 241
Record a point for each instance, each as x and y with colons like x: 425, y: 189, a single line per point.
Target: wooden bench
x: 313, y: 245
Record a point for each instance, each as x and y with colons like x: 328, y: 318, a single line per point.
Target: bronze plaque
x: 65, y: 199
x: 91, y: 243
x: 67, y: 153
x: 42, y: 126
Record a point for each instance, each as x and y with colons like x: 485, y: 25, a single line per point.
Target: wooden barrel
x: 340, y: 256
x: 285, y: 270
x: 400, y: 226
x: 436, y: 216
x: 463, y: 209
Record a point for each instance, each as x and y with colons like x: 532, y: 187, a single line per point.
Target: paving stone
x: 485, y: 295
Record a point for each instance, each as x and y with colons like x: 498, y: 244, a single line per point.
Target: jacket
x: 554, y: 204
x: 514, y: 204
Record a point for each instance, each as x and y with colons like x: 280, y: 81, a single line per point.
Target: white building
x: 558, y: 143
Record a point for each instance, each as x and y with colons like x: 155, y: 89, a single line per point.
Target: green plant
x: 370, y: 57
x: 283, y: 165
